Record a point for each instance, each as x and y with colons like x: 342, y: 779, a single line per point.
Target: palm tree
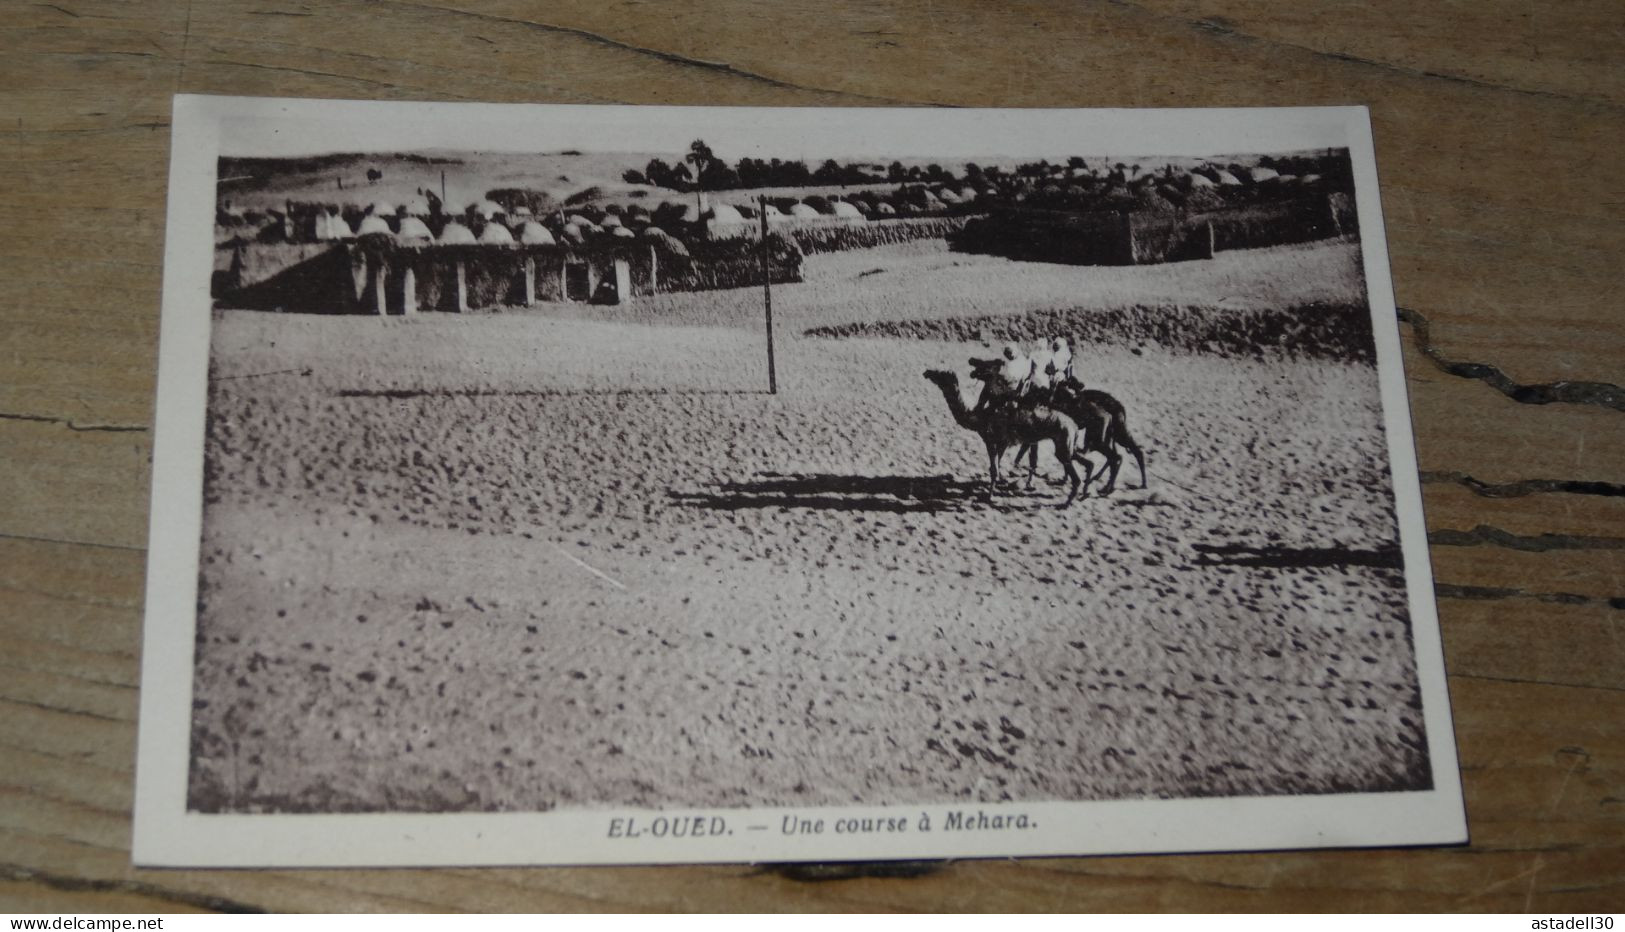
x: 701, y: 156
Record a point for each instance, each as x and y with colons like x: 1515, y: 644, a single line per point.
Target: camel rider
x: 1041, y: 380
x: 1014, y: 378
x: 1059, y: 363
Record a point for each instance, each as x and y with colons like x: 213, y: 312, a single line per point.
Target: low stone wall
x: 377, y: 275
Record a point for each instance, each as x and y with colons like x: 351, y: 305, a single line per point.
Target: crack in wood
x: 1529, y: 682
x: 74, y: 425
x: 78, y: 760
x: 291, y: 69
x: 65, y: 674
x: 19, y: 874
x: 44, y: 793
x: 531, y: 85
x: 63, y: 710
x: 819, y: 872
x: 1490, y: 593
x: 1603, y: 394
x: 1522, y: 487
x: 1223, y: 28
x: 29, y: 538
x: 674, y: 58
x: 1497, y: 537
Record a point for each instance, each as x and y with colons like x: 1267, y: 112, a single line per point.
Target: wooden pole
x: 767, y: 298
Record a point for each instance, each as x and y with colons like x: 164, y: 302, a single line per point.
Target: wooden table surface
x: 1499, y: 126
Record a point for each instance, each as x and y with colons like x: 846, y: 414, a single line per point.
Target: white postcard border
x: 167, y: 835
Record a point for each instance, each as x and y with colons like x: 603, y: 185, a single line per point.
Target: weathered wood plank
x: 75, y: 484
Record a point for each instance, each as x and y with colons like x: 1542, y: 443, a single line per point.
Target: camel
x: 1100, y: 418
x: 1105, y: 429
x: 1002, y: 427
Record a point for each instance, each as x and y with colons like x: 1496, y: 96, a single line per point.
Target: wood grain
x: 1498, y: 128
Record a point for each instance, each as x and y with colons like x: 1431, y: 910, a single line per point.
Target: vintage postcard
x: 574, y: 485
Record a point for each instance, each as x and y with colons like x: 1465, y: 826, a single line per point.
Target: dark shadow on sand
x: 533, y: 392
x: 896, y: 494
x: 1297, y: 557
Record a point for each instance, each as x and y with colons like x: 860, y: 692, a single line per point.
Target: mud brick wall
x: 315, y: 278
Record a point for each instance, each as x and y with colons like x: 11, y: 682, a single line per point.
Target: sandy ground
x: 523, y: 561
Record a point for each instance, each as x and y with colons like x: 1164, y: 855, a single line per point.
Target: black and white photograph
x: 691, y: 484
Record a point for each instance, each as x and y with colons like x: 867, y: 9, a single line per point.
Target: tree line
x: 701, y: 168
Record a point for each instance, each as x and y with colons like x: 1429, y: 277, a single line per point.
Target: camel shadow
x: 894, y: 494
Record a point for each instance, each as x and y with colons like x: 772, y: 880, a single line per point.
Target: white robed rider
x: 1059, y: 362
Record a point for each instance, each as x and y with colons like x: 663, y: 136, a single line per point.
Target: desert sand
x: 572, y: 557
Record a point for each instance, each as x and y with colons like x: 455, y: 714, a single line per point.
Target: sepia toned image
x: 710, y: 467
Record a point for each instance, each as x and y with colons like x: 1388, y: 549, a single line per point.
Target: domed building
x: 671, y: 243
x: 373, y: 224
x: 846, y: 211
x: 414, y: 229
x: 495, y: 234
x: 331, y: 226
x: 534, y: 234
x: 804, y: 212
x: 455, y: 234
x: 726, y: 213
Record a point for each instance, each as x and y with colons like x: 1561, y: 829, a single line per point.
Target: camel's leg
x: 993, y: 454
x: 1114, y: 463
x: 1015, y: 461
x: 1101, y: 438
x: 1032, y: 463
x: 1071, y: 472
x: 1120, y: 437
x: 1089, y: 440
x: 1090, y: 473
